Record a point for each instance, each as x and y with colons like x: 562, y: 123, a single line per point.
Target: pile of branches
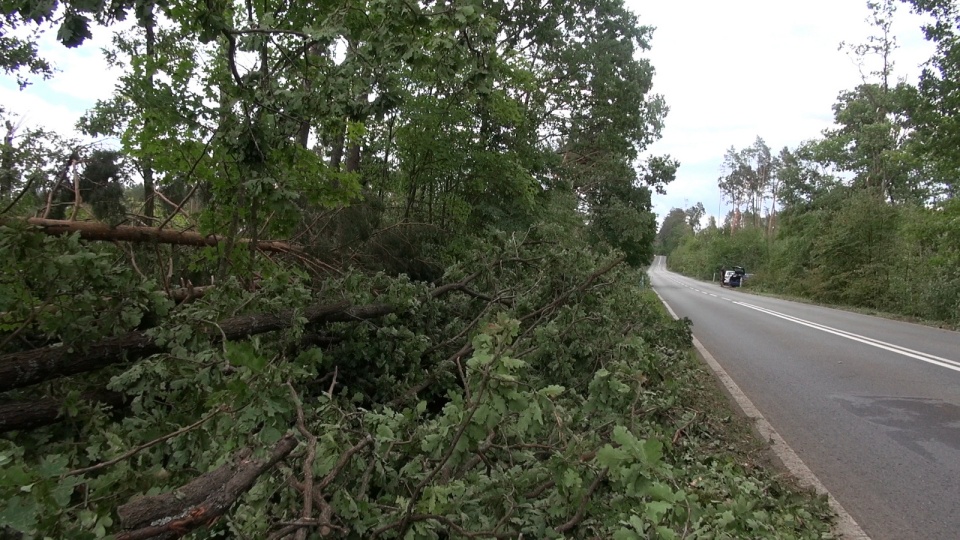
x: 531, y: 393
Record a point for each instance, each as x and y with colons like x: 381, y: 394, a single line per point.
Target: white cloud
x: 83, y: 77
x: 731, y: 71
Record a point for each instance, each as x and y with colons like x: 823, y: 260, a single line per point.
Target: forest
x: 865, y: 216
x: 355, y: 270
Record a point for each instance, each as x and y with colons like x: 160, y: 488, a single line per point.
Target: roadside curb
x: 845, y: 527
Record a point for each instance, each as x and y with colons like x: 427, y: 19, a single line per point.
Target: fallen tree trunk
x: 188, y: 294
x: 21, y: 369
x: 38, y: 365
x: 24, y: 368
x: 93, y: 230
x: 42, y: 412
x: 200, y: 502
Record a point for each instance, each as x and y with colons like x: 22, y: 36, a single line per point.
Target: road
x: 872, y: 406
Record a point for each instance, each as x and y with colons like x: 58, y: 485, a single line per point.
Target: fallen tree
x: 543, y: 401
x: 33, y: 366
x: 31, y: 414
x: 94, y: 230
x: 200, y: 502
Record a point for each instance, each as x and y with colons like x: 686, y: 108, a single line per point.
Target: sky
x: 734, y: 70
x: 730, y: 71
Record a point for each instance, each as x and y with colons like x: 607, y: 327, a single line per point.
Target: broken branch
x: 201, y: 501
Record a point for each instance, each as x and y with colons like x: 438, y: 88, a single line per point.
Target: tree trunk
x: 92, y: 230
x: 336, y: 152
x: 303, y: 135
x: 8, y: 174
x: 149, y: 197
x: 25, y: 368
x: 353, y: 157
x: 21, y: 415
x: 30, y: 367
x: 200, y: 502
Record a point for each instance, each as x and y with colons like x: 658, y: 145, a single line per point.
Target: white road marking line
x: 918, y: 355
x: 846, y: 526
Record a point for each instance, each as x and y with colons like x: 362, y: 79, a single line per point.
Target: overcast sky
x: 733, y: 70
x: 729, y: 71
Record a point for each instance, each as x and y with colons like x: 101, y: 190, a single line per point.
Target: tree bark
x: 353, y: 157
x: 336, y: 152
x: 25, y: 368
x: 200, y: 502
x: 8, y: 175
x: 92, y: 230
x: 37, y: 365
x: 149, y: 197
x: 21, y: 415
x: 34, y: 366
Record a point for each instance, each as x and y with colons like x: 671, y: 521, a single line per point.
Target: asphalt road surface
x: 872, y: 406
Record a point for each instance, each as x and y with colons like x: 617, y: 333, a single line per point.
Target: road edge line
x: 845, y: 526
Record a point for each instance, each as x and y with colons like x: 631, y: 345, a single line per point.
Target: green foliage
x: 861, y: 217
x: 674, y: 229
x: 64, y: 291
x: 935, y: 117
x: 514, y: 436
x: 846, y: 246
x: 458, y: 187
x: 706, y: 253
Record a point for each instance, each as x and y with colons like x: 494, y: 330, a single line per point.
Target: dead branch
x: 23, y: 192
x: 683, y: 428
x: 458, y: 286
x: 193, y: 190
x: 175, y: 205
x: 323, y: 525
x: 307, y: 513
x: 201, y: 501
x: 475, y: 460
x: 187, y: 294
x: 62, y: 176
x: 342, y: 462
x: 333, y: 383
x: 537, y: 491
x: 316, y: 494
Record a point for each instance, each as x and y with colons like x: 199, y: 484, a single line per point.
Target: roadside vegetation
x: 355, y: 270
x: 868, y: 215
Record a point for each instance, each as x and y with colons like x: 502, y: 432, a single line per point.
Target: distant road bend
x: 872, y: 406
